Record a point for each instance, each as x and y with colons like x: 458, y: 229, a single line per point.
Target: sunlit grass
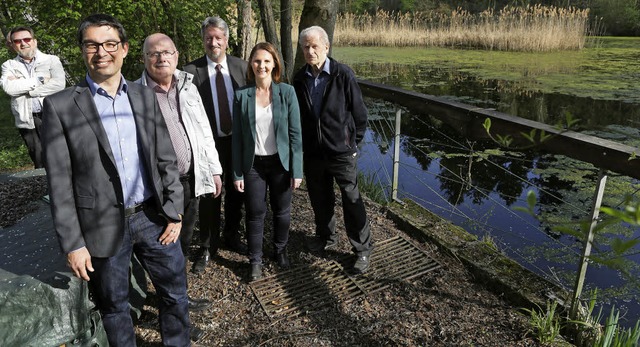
x: 13, y: 152
x: 529, y: 29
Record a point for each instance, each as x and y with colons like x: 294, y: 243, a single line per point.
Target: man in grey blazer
x: 114, y: 186
x: 217, y: 96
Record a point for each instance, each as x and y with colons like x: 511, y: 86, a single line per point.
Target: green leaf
x: 487, y: 124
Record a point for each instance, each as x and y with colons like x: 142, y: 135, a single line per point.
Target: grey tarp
x: 41, y: 302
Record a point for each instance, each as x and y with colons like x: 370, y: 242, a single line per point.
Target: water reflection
x: 476, y: 185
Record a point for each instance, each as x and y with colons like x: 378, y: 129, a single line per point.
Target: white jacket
x: 26, y: 86
x: 206, y: 163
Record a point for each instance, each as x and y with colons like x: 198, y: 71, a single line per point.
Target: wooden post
x: 597, y: 201
x: 396, y: 157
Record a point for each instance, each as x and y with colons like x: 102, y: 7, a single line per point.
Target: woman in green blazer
x: 267, y: 152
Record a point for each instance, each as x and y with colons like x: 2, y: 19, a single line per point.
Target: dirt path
x: 445, y: 307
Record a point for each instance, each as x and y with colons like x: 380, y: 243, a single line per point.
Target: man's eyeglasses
x: 93, y: 47
x: 26, y: 40
x: 164, y: 54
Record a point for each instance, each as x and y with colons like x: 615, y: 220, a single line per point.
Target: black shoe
x: 201, y: 262
x: 256, y: 272
x: 237, y: 246
x: 196, y: 333
x: 282, y: 259
x: 317, y: 244
x: 361, y: 265
x: 196, y: 305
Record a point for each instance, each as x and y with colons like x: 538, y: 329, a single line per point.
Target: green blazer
x: 286, y: 118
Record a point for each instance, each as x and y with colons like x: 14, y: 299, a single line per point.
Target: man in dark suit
x: 217, y: 75
x: 114, y: 186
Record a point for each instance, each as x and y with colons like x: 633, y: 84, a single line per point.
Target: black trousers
x: 210, y: 208
x: 320, y: 174
x: 267, y: 173
x: 31, y: 139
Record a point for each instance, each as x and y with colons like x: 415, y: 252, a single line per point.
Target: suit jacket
x: 87, y: 201
x: 200, y: 71
x: 286, y: 119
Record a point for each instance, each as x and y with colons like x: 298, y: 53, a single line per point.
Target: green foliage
x: 545, y: 325
x: 372, y: 189
x: 13, y: 152
x: 55, y: 23
x: 620, y: 17
x: 592, y: 334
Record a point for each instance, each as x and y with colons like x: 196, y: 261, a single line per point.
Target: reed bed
x: 534, y: 28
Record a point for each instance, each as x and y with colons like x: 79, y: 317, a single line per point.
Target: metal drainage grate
x: 311, y: 288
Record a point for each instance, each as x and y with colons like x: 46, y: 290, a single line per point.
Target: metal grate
x: 311, y: 288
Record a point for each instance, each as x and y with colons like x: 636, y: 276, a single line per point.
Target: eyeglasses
x: 93, y: 47
x: 26, y: 40
x: 164, y: 54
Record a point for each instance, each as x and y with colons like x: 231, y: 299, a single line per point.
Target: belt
x: 129, y: 211
x: 266, y: 157
x: 185, y: 178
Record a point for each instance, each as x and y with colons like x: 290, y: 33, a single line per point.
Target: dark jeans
x: 320, y: 174
x: 210, y: 208
x: 31, y: 139
x: 267, y: 173
x: 191, y: 204
x: 166, y: 268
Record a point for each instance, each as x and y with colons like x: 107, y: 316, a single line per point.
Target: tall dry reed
x: 530, y: 29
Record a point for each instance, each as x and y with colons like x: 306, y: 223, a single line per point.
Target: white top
x: 211, y: 65
x: 265, y: 131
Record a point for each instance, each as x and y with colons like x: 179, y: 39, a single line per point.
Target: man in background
x: 334, y: 120
x: 28, y: 78
x: 217, y: 75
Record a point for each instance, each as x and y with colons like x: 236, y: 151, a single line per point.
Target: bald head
x: 160, y: 58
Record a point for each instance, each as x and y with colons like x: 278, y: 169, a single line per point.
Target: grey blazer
x: 87, y: 202
x: 200, y: 71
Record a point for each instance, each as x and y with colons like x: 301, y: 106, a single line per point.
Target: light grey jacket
x: 24, y: 86
x: 206, y: 163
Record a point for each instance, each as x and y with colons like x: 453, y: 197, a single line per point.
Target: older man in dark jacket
x: 334, y: 120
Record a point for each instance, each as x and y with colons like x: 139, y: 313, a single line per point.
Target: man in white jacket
x: 189, y: 132
x: 28, y: 78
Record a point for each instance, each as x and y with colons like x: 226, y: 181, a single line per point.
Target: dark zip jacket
x: 343, y: 119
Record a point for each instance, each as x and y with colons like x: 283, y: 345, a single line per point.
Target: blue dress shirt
x: 119, y: 124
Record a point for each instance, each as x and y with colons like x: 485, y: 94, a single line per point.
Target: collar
x: 212, y: 64
x: 152, y: 84
x: 325, y: 68
x: 94, y: 87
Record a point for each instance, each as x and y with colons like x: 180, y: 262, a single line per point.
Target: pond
x: 478, y: 184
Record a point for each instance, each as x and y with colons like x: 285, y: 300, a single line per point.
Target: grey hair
x: 313, y: 30
x: 215, y: 22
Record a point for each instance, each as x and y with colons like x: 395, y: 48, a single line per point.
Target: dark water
x: 478, y: 185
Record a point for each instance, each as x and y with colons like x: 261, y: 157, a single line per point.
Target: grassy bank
x: 13, y: 152
x: 528, y: 29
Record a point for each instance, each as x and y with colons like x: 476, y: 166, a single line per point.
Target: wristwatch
x: 41, y: 79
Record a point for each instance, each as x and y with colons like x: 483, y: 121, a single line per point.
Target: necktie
x: 223, y: 102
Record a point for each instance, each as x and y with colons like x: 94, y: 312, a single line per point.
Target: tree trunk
x: 286, y: 27
x: 268, y: 22
x: 244, y: 29
x: 317, y: 12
